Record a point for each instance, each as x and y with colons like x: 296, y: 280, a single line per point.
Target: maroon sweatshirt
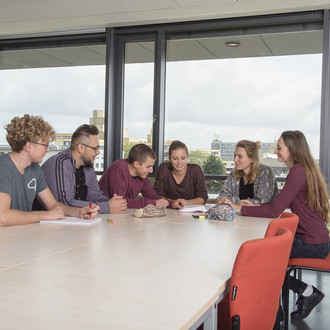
x: 118, y: 180
x: 311, y: 227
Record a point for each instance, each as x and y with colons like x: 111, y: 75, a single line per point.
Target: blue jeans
x: 301, y: 249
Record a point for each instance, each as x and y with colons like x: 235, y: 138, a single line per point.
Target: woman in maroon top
x: 182, y: 182
x: 306, y: 194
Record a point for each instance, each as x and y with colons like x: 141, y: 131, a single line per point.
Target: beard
x: 87, y: 162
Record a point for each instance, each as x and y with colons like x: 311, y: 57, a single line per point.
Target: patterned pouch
x: 150, y: 211
x: 222, y: 211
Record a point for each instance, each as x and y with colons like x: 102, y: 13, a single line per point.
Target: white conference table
x: 158, y: 273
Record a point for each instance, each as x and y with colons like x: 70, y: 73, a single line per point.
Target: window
x: 217, y: 95
x: 65, y: 86
x: 138, y: 94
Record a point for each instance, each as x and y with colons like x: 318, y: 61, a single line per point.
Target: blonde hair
x: 317, y: 194
x: 28, y: 129
x: 252, y: 151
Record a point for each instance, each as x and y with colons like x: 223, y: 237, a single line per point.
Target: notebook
x: 73, y: 221
x: 195, y: 208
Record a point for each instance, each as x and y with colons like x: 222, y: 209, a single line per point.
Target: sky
x: 249, y: 98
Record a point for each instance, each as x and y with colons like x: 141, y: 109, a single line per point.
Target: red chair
x: 290, y: 221
x: 256, y: 283
x: 311, y: 264
x: 287, y: 220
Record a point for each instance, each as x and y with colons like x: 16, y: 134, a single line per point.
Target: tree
x: 197, y: 157
x: 127, y: 146
x: 213, y: 165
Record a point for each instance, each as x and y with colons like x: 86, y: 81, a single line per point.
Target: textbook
x: 73, y: 221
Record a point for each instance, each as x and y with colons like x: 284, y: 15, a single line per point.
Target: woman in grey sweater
x: 249, y: 183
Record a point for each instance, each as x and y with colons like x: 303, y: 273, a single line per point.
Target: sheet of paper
x: 74, y: 221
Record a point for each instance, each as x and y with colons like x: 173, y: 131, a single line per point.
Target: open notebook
x: 195, y: 208
x: 73, y: 221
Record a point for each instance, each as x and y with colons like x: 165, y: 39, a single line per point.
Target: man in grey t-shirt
x: 22, y: 179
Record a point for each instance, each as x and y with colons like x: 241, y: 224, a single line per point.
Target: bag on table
x: 223, y: 212
x: 150, y: 211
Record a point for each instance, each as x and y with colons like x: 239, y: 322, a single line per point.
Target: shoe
x: 306, y: 304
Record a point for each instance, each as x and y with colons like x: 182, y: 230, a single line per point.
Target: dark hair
x: 252, y: 151
x: 28, y: 129
x: 317, y: 195
x: 175, y: 145
x: 82, y: 134
x: 140, y: 152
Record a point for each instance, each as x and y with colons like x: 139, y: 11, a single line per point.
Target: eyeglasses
x: 96, y: 149
x: 42, y: 144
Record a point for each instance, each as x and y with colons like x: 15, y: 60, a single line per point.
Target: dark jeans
x: 301, y: 249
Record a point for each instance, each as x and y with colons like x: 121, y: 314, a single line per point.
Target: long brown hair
x: 317, y: 195
x: 251, y: 149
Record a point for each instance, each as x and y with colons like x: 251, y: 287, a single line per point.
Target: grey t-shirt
x: 22, y: 188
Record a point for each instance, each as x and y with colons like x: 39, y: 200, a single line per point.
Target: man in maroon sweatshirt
x: 129, y: 178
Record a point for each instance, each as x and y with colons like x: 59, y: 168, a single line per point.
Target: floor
x: 319, y: 319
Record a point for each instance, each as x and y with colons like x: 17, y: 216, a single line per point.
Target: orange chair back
x: 257, y: 279
x: 287, y: 220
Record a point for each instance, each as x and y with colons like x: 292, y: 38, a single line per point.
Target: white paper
x: 73, y: 221
x: 193, y: 208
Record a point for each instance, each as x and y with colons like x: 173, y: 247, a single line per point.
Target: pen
x: 90, y: 208
x: 199, y: 216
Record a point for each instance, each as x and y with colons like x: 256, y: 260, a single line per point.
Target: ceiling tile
x: 147, y: 5
x: 9, y: 15
x: 139, y: 52
x: 178, y: 50
x: 309, y: 42
x: 30, y: 59
x: 188, y: 3
x: 75, y: 55
x: 250, y: 46
x: 40, y: 9
x: 90, y: 7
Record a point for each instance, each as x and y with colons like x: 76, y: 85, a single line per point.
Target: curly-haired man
x: 22, y: 179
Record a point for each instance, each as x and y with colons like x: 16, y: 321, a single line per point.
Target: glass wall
x: 262, y: 85
x: 138, y: 94
x: 66, y: 86
x: 226, y: 80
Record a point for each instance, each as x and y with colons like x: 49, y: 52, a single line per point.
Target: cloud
x: 253, y: 98
x: 65, y: 97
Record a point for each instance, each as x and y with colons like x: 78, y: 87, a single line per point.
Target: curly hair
x: 251, y: 149
x: 28, y: 129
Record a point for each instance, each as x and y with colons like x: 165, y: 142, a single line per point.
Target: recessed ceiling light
x: 232, y: 43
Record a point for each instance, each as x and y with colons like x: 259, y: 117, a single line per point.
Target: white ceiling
x: 20, y: 17
x: 33, y: 17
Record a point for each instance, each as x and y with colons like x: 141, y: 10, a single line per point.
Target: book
x: 73, y: 221
x: 198, y: 208
x: 193, y: 209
